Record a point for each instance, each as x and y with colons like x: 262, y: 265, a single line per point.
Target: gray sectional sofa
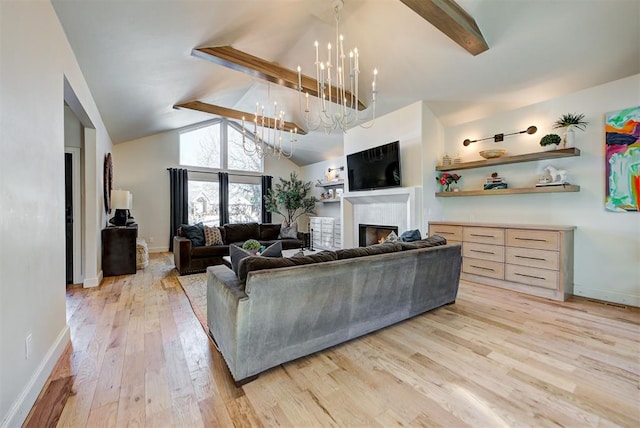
x: 281, y: 309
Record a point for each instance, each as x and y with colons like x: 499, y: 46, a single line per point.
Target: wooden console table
x: 532, y: 259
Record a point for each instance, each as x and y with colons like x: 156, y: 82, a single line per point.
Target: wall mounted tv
x: 375, y: 168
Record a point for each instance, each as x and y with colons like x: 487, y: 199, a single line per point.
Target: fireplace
x: 374, y: 233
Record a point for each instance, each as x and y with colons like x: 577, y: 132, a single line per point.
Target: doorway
x: 73, y: 215
x: 68, y: 215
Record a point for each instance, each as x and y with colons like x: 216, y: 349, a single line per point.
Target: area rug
x: 195, y: 287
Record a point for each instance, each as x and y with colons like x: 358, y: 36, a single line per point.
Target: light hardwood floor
x: 139, y: 357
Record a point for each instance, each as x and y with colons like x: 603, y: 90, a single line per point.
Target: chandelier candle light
x: 268, y: 134
x: 335, y: 82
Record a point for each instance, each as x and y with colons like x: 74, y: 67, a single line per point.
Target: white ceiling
x: 136, y: 56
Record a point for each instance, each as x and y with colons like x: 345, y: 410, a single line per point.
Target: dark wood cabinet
x: 119, y: 250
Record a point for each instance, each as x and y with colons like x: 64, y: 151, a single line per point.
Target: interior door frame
x: 78, y: 270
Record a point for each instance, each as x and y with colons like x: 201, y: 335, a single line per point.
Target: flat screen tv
x: 375, y: 168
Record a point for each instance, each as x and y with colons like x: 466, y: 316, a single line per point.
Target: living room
x: 40, y: 71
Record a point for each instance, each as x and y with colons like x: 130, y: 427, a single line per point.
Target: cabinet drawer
x: 540, y: 239
x: 532, y: 276
x: 450, y: 233
x: 483, y: 235
x: 483, y: 267
x: 483, y: 251
x: 544, y: 259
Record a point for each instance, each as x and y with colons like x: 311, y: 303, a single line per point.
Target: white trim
x: 607, y: 296
x: 158, y: 249
x: 22, y: 406
x: 78, y: 267
x: 92, y: 282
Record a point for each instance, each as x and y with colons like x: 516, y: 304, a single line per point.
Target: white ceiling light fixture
x: 336, y: 81
x: 267, y: 138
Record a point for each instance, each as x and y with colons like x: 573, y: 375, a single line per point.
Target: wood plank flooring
x: 139, y: 357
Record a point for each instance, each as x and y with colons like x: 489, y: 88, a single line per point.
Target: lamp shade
x: 120, y: 199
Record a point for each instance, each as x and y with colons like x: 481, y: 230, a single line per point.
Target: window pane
x: 201, y: 147
x: 238, y: 159
x: 245, y: 203
x: 204, y: 202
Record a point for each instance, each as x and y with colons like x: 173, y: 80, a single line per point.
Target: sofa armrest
x: 181, y: 253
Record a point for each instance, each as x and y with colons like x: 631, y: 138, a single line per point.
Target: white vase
x: 549, y: 147
x: 568, y: 140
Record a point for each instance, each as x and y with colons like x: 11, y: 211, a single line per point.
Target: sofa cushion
x: 195, y: 233
x: 240, y: 232
x: 269, y: 231
x: 210, y: 251
x: 273, y: 250
x: 238, y: 254
x: 250, y: 264
x: 290, y: 232
x: 212, y: 236
x: 432, y: 241
x: 387, y: 247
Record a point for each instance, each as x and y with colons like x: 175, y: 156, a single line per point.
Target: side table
x: 119, y: 250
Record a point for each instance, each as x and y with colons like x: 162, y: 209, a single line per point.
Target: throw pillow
x: 392, y: 237
x: 236, y: 254
x: 273, y: 250
x: 411, y: 235
x: 290, y: 232
x: 195, y: 233
x: 212, y: 236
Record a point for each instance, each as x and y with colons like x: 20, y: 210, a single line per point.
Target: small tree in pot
x: 291, y: 199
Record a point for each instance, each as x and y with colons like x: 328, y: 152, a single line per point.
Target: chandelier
x: 267, y: 138
x: 338, y: 99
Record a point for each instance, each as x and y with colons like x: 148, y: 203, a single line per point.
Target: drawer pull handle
x: 531, y: 239
x: 482, y: 252
x: 531, y: 258
x: 437, y: 232
x: 483, y: 268
x: 482, y: 236
x: 530, y: 276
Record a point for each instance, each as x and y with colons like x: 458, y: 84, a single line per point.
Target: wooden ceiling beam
x: 263, y: 69
x: 448, y: 17
x: 231, y: 113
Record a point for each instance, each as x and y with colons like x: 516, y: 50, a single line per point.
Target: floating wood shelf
x: 546, y: 189
x: 330, y: 184
x: 528, y: 157
x: 326, y: 201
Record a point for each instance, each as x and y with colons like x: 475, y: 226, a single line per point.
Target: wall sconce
x: 500, y: 137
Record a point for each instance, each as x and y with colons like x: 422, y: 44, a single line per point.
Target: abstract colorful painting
x: 623, y: 160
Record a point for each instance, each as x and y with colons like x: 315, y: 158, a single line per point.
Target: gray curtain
x: 179, y: 192
x: 266, y: 186
x: 223, y: 181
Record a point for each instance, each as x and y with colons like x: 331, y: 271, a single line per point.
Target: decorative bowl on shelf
x: 493, y: 153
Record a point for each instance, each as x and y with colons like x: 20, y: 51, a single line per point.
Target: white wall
x: 140, y: 166
x: 319, y: 171
x: 607, y: 245
x: 35, y: 58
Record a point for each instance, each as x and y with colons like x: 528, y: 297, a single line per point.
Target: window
x: 217, y: 145
x: 204, y: 202
x: 245, y: 202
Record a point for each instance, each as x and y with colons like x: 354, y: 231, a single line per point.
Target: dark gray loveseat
x: 270, y: 315
x: 190, y: 259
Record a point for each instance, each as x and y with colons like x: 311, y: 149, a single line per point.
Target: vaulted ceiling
x: 137, y: 56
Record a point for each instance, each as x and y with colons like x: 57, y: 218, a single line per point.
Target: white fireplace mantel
x: 397, y: 206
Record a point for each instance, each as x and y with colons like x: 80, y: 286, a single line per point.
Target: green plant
x: 550, y: 139
x: 571, y: 119
x: 251, y: 245
x: 291, y: 199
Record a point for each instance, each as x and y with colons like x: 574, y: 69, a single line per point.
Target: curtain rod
x: 211, y: 172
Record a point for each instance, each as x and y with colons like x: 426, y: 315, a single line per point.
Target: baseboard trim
x: 22, y: 406
x: 158, y: 249
x: 607, y: 296
x: 92, y: 282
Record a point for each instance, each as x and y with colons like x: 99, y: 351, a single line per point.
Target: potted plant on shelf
x: 550, y: 142
x: 568, y: 122
x: 447, y: 179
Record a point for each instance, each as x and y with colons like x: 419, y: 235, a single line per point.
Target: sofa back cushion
x: 195, y: 233
x: 349, y: 253
x: 432, y: 241
x: 240, y: 232
x: 269, y: 231
x: 252, y: 263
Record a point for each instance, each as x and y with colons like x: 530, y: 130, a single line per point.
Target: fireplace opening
x: 370, y: 234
